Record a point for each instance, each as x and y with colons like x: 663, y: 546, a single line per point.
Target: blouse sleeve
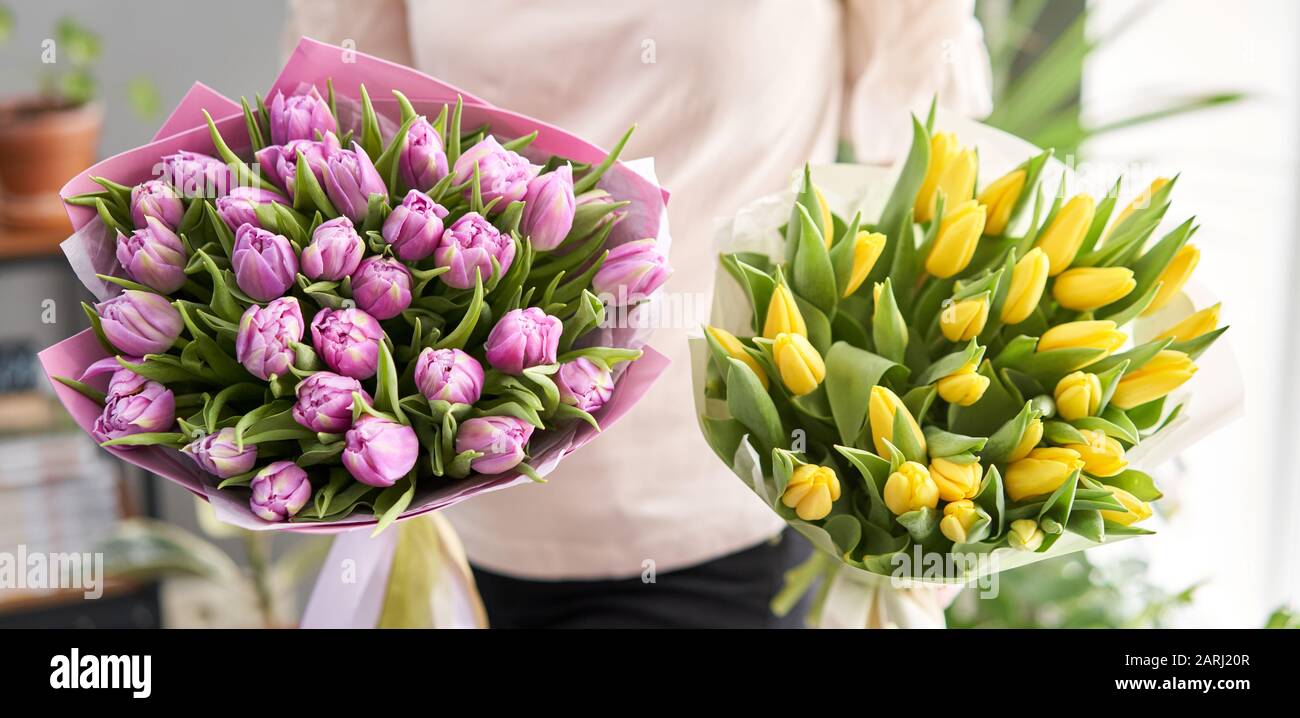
x: 378, y: 27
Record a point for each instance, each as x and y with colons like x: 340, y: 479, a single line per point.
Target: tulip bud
x: 137, y: 323
x: 1028, y: 278
x: 631, y: 272
x: 157, y: 199
x: 999, y: 199
x: 299, y: 117
x: 149, y: 408
x: 324, y: 402
x: 1063, y: 237
x: 153, y: 256
x: 1174, y: 276
x: 501, y: 439
x: 963, y: 321
x: 811, y: 491
x: 124, y: 382
x: 348, y: 341
x: 335, y: 251
x: 523, y: 338
x: 379, y: 451
x: 219, y: 454
x: 382, y: 287
x: 1195, y: 325
x: 1099, y: 334
x: 952, y: 170
x: 264, y: 343
x: 414, y: 226
x: 1137, y: 510
x: 867, y: 247
x: 827, y: 219
x: 280, y: 490
x: 239, y: 207
x: 264, y: 263
x: 801, y: 367
x: 910, y: 488
x: 954, y: 245
x: 1086, y: 288
x: 959, y: 517
x: 421, y: 162
x: 585, y: 384
x: 1142, y: 201
x: 468, y: 247
x: 350, y: 180
x: 783, y: 315
x: 736, y: 350
x: 503, y: 174
x: 1028, y: 440
x: 1166, y: 371
x: 1102, y: 455
x: 956, y: 481
x: 964, y: 386
x: 193, y: 174
x: 1024, y: 535
x: 280, y: 162
x: 448, y: 375
x: 1041, y: 472
x: 1078, y: 395
x: 884, y: 404
x: 549, y: 207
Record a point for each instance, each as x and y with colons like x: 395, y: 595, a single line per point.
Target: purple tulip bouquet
x: 342, y: 302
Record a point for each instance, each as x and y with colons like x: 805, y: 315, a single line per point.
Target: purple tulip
x: 280, y: 162
x: 280, y: 490
x: 265, y: 265
x: 240, y: 206
x: 325, y: 402
x: 501, y: 439
x: 422, y: 161
x: 194, y: 174
x: 348, y: 341
x: 523, y: 338
x: 631, y: 272
x: 468, y: 247
x: 264, y: 344
x: 153, y: 256
x: 380, y: 451
x: 350, y: 179
x: 503, y: 174
x: 139, y: 323
x: 585, y: 384
x: 150, y: 408
x: 299, y: 117
x: 334, y: 252
x: 155, y: 198
x: 415, y: 226
x: 449, y: 375
x: 124, y: 381
x: 219, y: 455
x: 549, y: 206
x: 382, y: 287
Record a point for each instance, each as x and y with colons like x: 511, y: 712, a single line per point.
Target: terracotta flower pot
x: 42, y: 144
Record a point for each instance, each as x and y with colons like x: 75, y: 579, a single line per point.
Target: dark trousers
x: 729, y: 592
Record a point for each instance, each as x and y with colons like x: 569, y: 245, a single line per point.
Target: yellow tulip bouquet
x: 954, y: 374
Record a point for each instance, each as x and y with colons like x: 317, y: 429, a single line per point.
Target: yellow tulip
x: 1086, y: 288
x: 952, y: 170
x: 1041, y: 472
x: 1028, y: 440
x: 910, y: 488
x: 1102, y: 455
x: 783, y: 315
x: 999, y: 199
x: 963, y: 321
x: 1025, y: 535
x: 1141, y: 201
x: 736, y: 350
x: 956, y: 481
x: 1202, y: 322
x: 1138, y: 510
x: 959, y: 517
x: 1098, y: 334
x: 828, y: 224
x: 867, y: 247
x: 964, y: 386
x: 1078, y: 395
x: 882, y: 407
x: 1174, y: 277
x: 1028, y: 278
x: 1063, y: 237
x: 811, y: 491
x: 801, y: 367
x: 954, y: 245
x: 1166, y: 371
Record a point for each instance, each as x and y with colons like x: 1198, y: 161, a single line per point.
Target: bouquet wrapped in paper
x: 934, y: 384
